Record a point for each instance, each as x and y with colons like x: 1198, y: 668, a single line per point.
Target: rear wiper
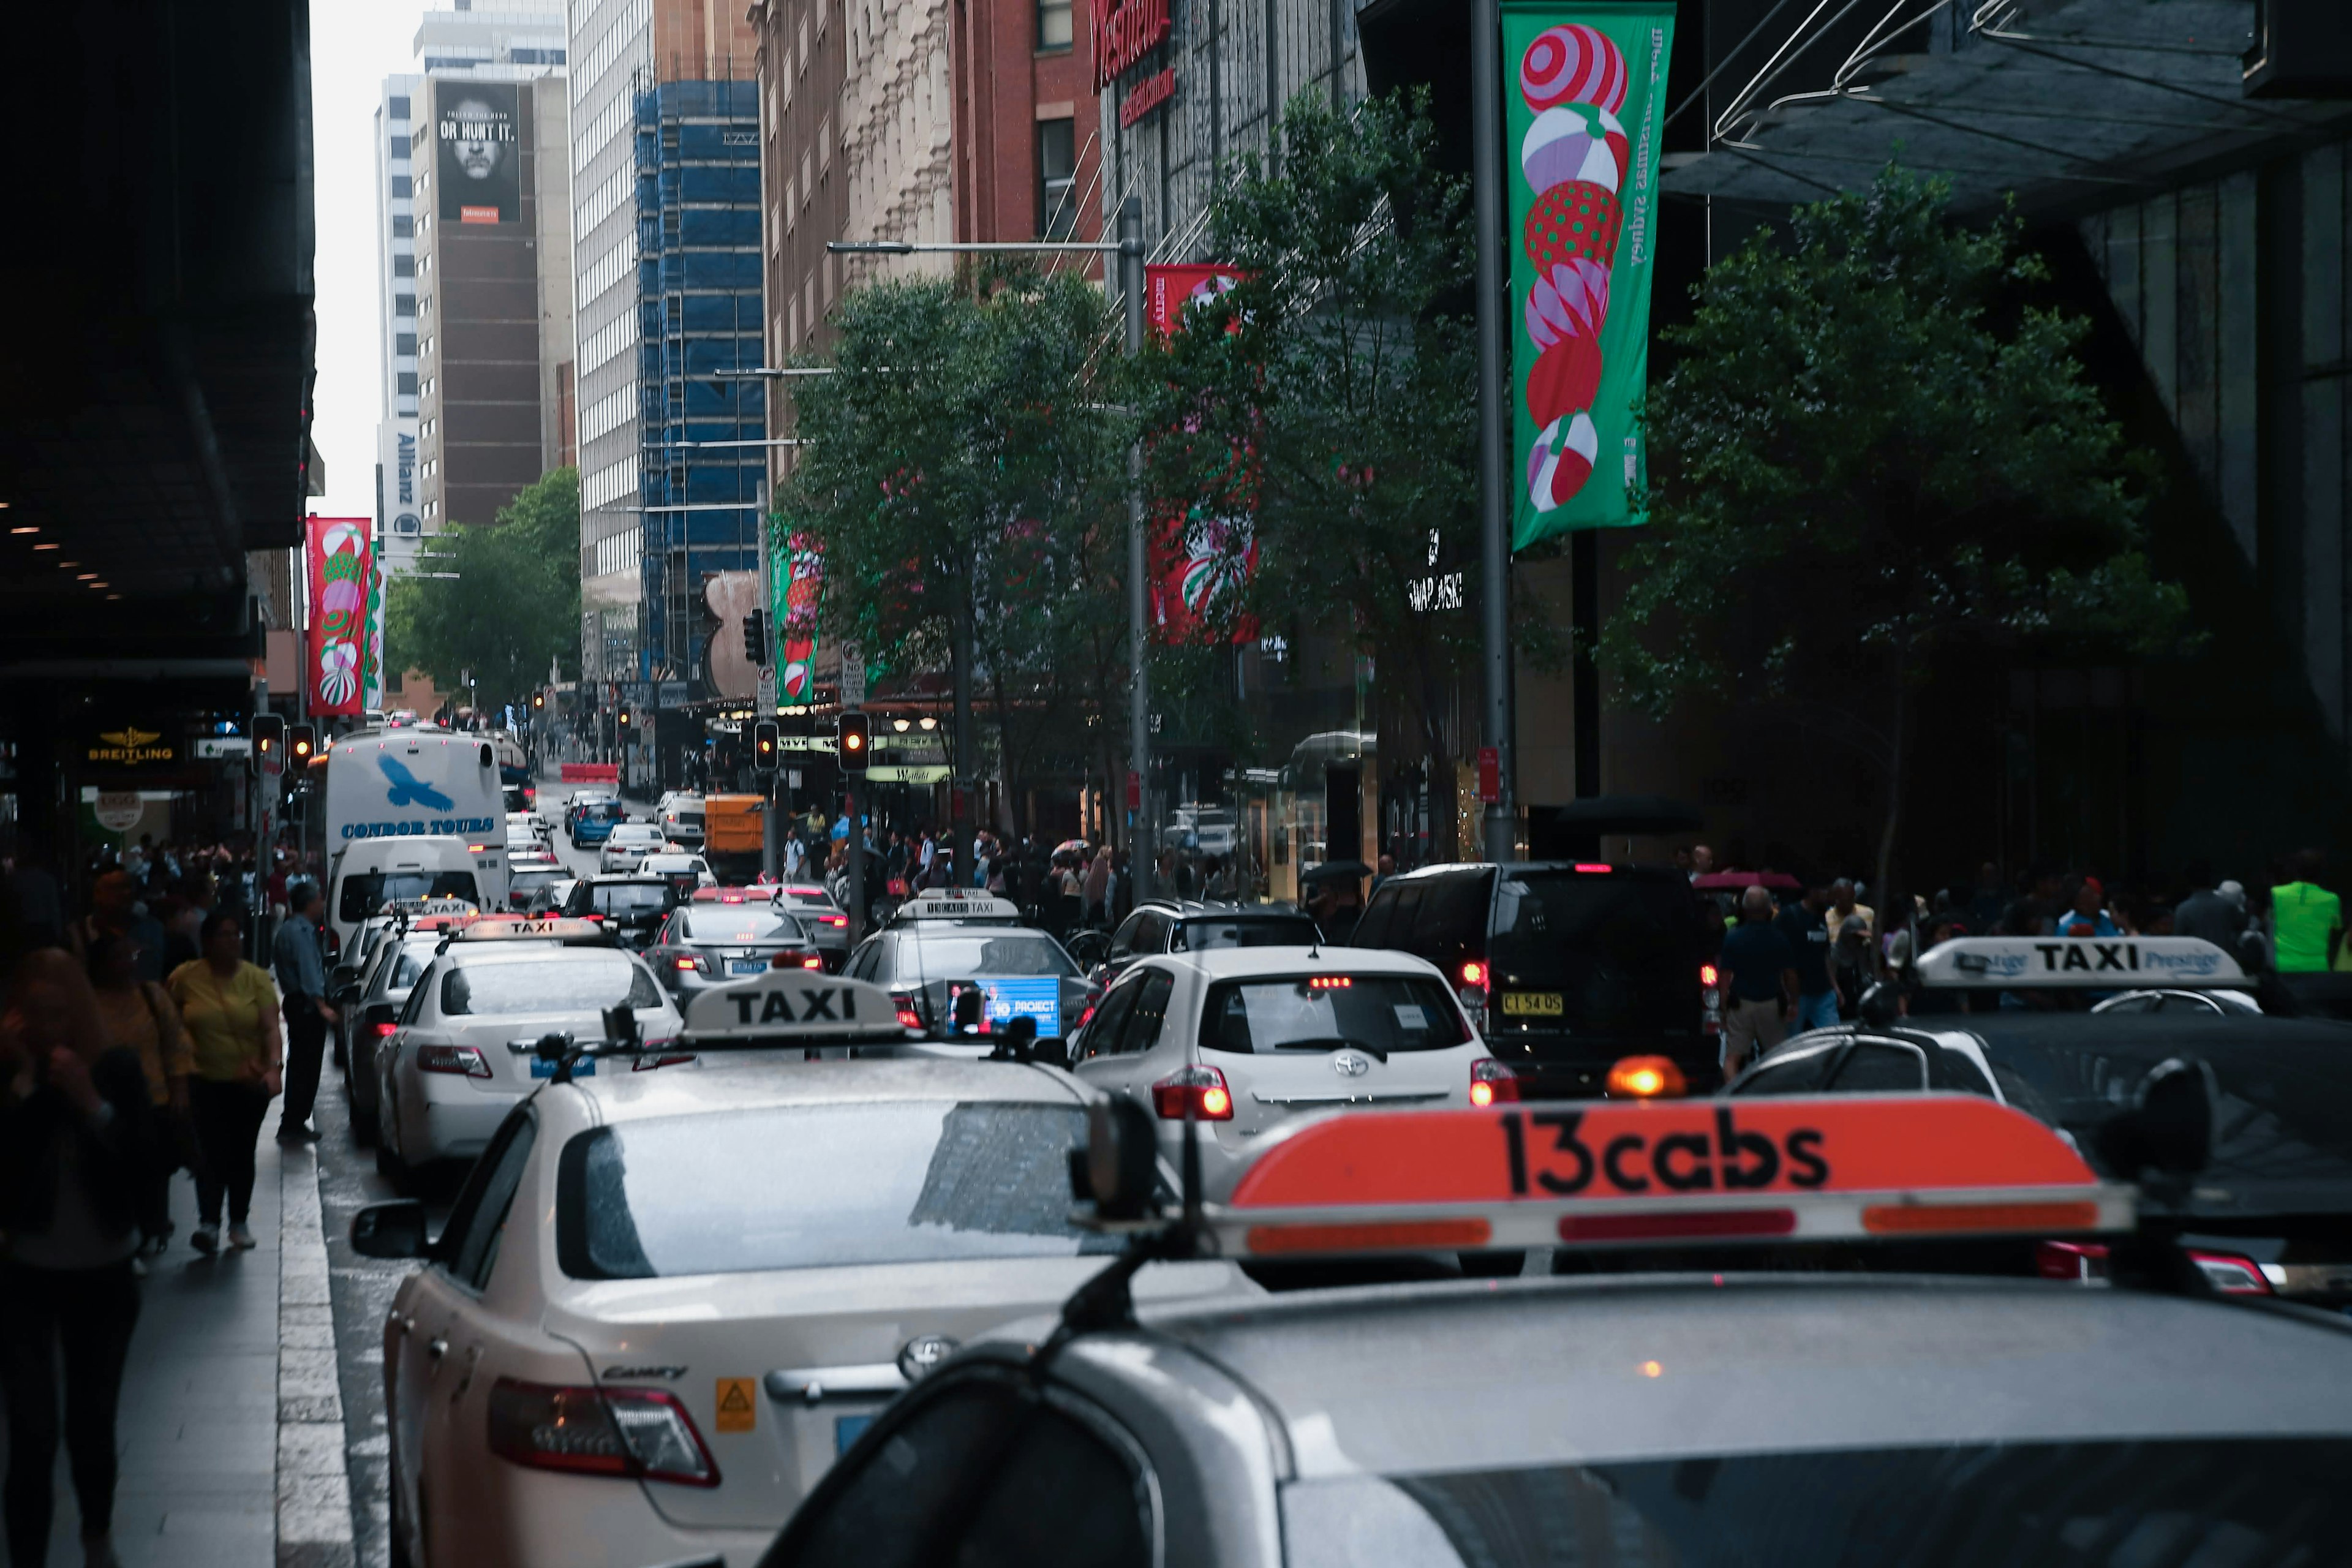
x: 1334, y: 1043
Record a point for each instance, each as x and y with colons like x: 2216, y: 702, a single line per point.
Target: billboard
x: 478, y: 159
x: 341, y: 568
x: 1584, y: 92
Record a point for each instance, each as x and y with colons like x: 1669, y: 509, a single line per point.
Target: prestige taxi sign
x: 1991, y: 963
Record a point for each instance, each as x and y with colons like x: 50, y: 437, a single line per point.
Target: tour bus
x: 402, y: 786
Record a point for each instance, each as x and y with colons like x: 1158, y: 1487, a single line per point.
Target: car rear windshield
x: 636, y: 833
x: 813, y: 1186
x: 1267, y: 930
x: 556, y: 982
x: 2093, y: 1504
x: 960, y: 957
x: 620, y: 898
x: 1621, y: 953
x: 739, y: 923
x: 365, y: 892
x: 538, y: 878
x: 1378, y: 1013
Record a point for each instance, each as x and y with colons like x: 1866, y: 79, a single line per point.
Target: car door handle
x: 437, y: 1347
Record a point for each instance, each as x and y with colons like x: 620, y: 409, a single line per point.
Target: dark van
x: 1565, y: 966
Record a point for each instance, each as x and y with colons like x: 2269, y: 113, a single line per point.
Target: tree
x: 1875, y: 453
x: 1341, y: 368
x: 964, y: 477
x: 512, y: 605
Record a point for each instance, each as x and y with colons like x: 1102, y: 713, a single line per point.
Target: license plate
x: 747, y: 966
x: 1531, y: 1005
x: 585, y: 1068
x: 847, y: 1429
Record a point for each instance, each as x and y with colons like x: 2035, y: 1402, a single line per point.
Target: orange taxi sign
x: 1606, y: 1173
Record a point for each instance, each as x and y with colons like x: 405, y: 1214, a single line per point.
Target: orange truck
x: 734, y: 830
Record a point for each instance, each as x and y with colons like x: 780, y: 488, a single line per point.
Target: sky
x: 354, y: 45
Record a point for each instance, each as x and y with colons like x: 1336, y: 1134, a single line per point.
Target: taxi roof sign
x: 2094, y: 962
x: 442, y: 905
x: 1609, y: 1175
x: 944, y: 904
x: 521, y: 928
x: 791, y: 1007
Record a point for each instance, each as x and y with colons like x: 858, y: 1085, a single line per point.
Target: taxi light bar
x: 1590, y: 869
x: 1646, y: 1078
x: 465, y: 1061
x: 639, y: 1434
x: 1202, y: 1086
x: 1695, y: 1224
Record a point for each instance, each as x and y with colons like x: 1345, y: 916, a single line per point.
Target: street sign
x: 885, y: 772
x: 853, y: 678
x: 767, y: 698
x: 224, y: 746
x: 1490, y: 774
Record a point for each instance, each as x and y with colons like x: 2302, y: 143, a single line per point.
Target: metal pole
x: 1494, y: 414
x: 856, y: 863
x: 772, y: 849
x: 1140, y: 840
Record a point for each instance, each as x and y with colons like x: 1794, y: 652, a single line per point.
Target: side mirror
x: 391, y: 1230
x: 2169, y: 1131
x: 1122, y: 1158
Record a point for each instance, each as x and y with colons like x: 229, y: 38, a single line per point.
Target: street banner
x: 341, y: 572
x: 1202, y: 551
x: 793, y: 617
x: 1584, y: 93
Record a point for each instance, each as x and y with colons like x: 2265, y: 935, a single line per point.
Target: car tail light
x: 834, y: 919
x: 910, y: 1016
x: 2231, y: 1274
x: 1203, y: 1089
x: 2071, y: 1261
x: 1490, y: 1081
x: 689, y: 963
x: 465, y: 1061
x: 386, y: 1031
x: 635, y: 1433
x: 648, y: 1064
x: 1647, y: 1077
x: 1087, y: 1016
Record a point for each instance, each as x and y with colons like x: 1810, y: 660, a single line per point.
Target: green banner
x: 1584, y: 91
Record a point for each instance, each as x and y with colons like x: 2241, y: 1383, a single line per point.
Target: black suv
x: 1170, y: 925
x: 632, y: 907
x: 1565, y: 966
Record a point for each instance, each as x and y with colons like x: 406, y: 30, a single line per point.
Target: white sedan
x: 667, y: 1300
x: 628, y: 845
x: 1250, y: 1037
x: 462, y: 1054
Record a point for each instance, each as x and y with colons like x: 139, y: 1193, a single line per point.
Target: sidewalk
x: 231, y: 1433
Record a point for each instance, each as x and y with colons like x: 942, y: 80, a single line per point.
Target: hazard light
x: 1646, y: 1078
x: 1658, y: 1173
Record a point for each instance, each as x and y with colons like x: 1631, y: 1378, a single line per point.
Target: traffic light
x: 302, y: 744
x: 624, y: 715
x: 538, y: 699
x: 755, y: 638
x: 856, y: 742
x: 268, y: 739
x: 763, y: 745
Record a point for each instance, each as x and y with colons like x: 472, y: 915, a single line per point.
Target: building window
x: 399, y: 108
x: 1054, y: 24
x: 408, y: 383
x: 404, y: 266
x: 1057, y: 168
x: 404, y: 227
x: 403, y: 343
x: 402, y: 185
x: 404, y: 304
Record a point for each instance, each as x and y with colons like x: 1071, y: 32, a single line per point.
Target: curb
x: 314, y: 1499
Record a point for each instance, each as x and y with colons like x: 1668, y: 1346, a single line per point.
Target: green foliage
x: 513, y: 604
x: 1873, y: 453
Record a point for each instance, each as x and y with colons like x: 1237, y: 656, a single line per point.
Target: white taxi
x: 462, y: 1052
x: 666, y: 1299
x: 1246, y: 1039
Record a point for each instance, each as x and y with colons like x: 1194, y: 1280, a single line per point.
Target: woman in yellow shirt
x: 230, y: 1009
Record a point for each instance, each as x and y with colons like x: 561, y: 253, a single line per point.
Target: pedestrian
x: 1843, y: 908
x: 74, y: 1141
x: 138, y: 1014
x: 302, y: 981
x: 1384, y: 871
x: 1097, y: 889
x: 1808, y: 935
x: 1761, y: 970
x: 231, y: 1012
x: 2306, y: 920
x: 115, y: 906
x: 2086, y: 915
x: 1702, y: 861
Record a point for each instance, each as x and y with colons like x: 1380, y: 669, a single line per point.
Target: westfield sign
x: 1124, y: 34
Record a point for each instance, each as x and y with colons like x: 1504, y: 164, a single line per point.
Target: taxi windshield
x: 1379, y: 1013
x: 554, y: 981
x: 365, y: 892
x: 820, y: 1186
x: 2210, y: 1500
x: 959, y: 956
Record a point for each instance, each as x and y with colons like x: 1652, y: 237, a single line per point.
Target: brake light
x: 834, y: 919
x: 1329, y: 982
x: 465, y: 1061
x: 1492, y: 1081
x: 1647, y: 1077
x: 1710, y: 975
x: 1474, y: 973
x: 386, y: 1031
x: 1590, y: 870
x: 633, y: 1433
x: 693, y: 963
x: 1087, y: 1016
x: 1201, y: 1088
x: 2230, y: 1274
x: 909, y: 1018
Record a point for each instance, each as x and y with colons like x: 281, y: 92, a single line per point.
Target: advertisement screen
x: 479, y: 166
x: 1036, y: 996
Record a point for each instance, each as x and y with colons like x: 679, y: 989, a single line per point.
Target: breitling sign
x: 131, y: 746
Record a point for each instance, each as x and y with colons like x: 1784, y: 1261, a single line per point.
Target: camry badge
x: 1348, y: 1064
x: 923, y: 1352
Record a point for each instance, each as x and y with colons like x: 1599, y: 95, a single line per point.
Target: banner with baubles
x: 1584, y: 92
x: 343, y: 658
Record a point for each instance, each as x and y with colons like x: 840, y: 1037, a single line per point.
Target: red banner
x: 1205, y: 551
x: 341, y: 570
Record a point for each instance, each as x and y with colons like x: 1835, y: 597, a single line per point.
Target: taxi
x: 1665, y: 1405
x: 943, y: 946
x: 460, y: 1054
x: 666, y: 1299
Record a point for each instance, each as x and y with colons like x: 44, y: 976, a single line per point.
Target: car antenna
x: 1107, y: 1300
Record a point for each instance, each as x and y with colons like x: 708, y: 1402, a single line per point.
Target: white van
x: 402, y: 785
x: 366, y: 874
